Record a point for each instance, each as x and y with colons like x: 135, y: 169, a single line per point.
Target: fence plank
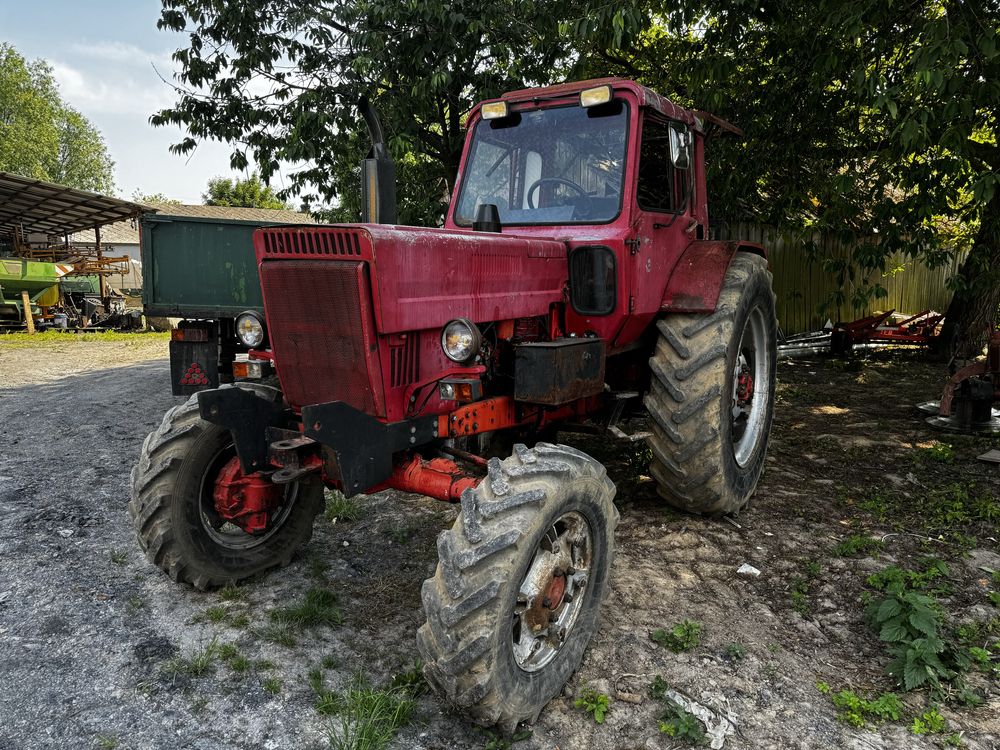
x: 804, y: 290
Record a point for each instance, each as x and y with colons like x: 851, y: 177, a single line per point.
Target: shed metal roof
x: 37, y: 206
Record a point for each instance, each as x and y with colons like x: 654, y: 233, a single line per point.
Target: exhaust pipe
x: 378, y: 173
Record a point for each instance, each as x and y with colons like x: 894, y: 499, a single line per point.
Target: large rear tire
x: 711, y: 395
x: 173, y: 511
x: 520, y: 579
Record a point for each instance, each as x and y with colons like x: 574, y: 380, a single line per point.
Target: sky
x: 105, y: 55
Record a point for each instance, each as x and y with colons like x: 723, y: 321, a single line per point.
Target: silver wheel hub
x: 751, y: 394
x: 550, y: 596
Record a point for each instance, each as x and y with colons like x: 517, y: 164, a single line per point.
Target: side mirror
x: 680, y: 147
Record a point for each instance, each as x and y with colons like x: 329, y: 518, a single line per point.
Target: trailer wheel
x: 711, y: 395
x: 174, y: 514
x: 519, y: 583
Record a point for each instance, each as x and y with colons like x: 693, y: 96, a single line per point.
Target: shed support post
x: 100, y: 268
x: 28, y: 320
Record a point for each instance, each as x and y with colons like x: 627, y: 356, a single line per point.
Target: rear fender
x: 696, y: 280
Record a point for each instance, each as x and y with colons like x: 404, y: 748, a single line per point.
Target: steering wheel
x: 555, y: 180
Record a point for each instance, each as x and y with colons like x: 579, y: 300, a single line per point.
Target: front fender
x: 696, y: 279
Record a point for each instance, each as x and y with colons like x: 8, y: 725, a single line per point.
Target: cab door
x: 664, y: 216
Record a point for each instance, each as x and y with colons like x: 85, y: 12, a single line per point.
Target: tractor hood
x: 422, y: 278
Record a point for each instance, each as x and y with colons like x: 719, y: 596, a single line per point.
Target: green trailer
x: 203, y: 271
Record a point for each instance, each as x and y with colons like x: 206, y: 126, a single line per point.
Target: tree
x: 280, y: 81
x: 42, y: 137
x: 873, y: 120
x: 249, y: 193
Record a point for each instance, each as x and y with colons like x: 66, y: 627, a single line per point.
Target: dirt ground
x: 89, y: 630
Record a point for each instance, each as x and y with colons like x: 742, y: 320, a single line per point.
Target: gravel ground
x: 90, y: 632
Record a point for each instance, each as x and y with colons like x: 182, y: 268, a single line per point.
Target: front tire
x: 711, y: 395
x: 520, y: 579
x: 171, y: 504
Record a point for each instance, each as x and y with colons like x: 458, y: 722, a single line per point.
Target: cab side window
x: 661, y: 187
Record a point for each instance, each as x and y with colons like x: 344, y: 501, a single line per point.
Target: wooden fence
x: 805, y: 289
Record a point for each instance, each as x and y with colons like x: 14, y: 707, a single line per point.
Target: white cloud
x: 119, y: 52
x: 114, y: 91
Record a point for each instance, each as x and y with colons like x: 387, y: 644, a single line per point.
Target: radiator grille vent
x: 404, y: 360
x: 311, y: 242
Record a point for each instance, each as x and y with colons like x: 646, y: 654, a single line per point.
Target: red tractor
x: 574, y: 276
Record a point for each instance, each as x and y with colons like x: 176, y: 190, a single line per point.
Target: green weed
x: 594, y: 703
x: 941, y: 453
x: 106, y: 741
x: 676, y: 721
x: 736, y: 651
x: 858, y: 711
x: 213, y: 614
x: 272, y: 685
x: 683, y: 636
x: 929, y: 722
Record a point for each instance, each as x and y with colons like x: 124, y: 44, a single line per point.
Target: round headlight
x: 461, y: 340
x: 250, y: 329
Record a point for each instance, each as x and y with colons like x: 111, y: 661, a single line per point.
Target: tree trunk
x: 972, y: 314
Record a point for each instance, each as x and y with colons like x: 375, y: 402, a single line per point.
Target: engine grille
x: 319, y: 317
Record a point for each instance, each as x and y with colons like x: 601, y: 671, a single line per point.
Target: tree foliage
x: 867, y: 119
x: 874, y: 120
x: 249, y: 193
x: 280, y: 80
x: 42, y: 137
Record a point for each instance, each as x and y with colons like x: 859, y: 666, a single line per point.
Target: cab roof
x: 645, y: 96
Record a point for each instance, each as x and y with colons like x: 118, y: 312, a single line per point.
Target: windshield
x: 547, y: 166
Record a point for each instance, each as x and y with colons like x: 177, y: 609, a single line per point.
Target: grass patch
x: 197, y: 664
x: 858, y: 544
x: 683, y: 636
x: 214, y: 614
x: 368, y: 717
x: 118, y: 556
x: 106, y: 741
x: 239, y: 664
x: 282, y: 634
x: 50, y: 338
x: 340, y: 509
x: 401, y: 533
x: 232, y: 593
x: 272, y: 685
x: 318, y: 607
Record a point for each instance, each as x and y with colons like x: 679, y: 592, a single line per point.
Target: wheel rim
x: 751, y: 393
x: 551, y: 594
x: 225, y: 533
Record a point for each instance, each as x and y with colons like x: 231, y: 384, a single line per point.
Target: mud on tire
x: 506, y: 528
x: 701, y: 462
x: 167, y: 503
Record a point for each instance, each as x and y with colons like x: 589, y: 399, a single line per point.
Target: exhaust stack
x: 378, y: 173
